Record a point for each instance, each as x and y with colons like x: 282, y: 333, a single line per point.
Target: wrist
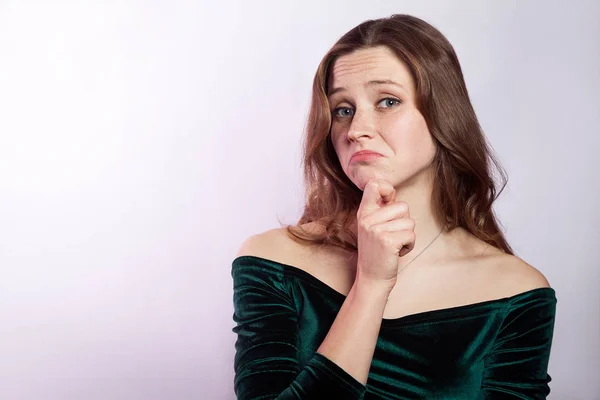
x: 374, y: 287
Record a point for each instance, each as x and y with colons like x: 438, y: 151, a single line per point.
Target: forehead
x: 375, y: 63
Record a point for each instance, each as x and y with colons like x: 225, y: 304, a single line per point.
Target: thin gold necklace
x: 421, y: 252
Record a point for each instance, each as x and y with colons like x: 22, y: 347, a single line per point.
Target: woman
x: 398, y: 174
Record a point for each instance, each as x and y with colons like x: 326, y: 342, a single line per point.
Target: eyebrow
x: 369, y: 83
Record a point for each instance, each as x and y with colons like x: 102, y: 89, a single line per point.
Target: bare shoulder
x: 513, y: 276
x: 270, y: 244
x: 334, y: 267
x: 499, y: 274
x: 275, y: 244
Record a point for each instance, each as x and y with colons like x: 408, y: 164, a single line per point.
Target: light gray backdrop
x: 142, y: 141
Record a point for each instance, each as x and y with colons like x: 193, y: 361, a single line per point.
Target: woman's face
x: 380, y: 117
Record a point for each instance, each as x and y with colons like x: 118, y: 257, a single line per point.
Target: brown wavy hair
x: 464, y: 186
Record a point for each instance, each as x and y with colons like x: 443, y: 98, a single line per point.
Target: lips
x: 364, y: 155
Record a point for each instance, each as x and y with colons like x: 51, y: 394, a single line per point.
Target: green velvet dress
x: 496, y: 349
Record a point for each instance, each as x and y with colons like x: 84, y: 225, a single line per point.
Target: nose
x: 362, y: 125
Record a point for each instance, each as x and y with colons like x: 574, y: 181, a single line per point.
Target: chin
x: 397, y: 181
x: 364, y: 178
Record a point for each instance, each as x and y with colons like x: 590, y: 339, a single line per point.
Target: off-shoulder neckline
x: 429, y: 315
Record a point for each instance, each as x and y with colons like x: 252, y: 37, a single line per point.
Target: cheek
x: 412, y: 138
x: 339, y: 145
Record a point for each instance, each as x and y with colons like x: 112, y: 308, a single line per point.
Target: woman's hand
x: 385, y: 232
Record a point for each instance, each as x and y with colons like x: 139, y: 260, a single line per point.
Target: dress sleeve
x: 266, y: 359
x: 517, y: 365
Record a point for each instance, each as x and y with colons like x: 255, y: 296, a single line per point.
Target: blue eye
x: 337, y: 110
x: 392, y: 99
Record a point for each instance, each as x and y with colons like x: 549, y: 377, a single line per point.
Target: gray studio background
x: 142, y: 141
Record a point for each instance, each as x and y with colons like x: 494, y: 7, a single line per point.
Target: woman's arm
x: 517, y: 366
x: 266, y: 361
x: 352, y: 337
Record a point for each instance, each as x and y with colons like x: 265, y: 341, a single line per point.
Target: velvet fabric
x: 496, y: 349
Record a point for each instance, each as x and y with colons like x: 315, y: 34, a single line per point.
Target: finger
x: 388, y: 193
x: 403, y: 251
x: 407, y: 248
x: 395, y: 225
x: 393, y: 211
x: 375, y: 190
x: 404, y: 240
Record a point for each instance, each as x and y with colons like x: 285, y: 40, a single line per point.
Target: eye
x: 390, y: 99
x: 336, y: 111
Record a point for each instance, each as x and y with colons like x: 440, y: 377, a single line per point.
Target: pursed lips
x: 364, y: 155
